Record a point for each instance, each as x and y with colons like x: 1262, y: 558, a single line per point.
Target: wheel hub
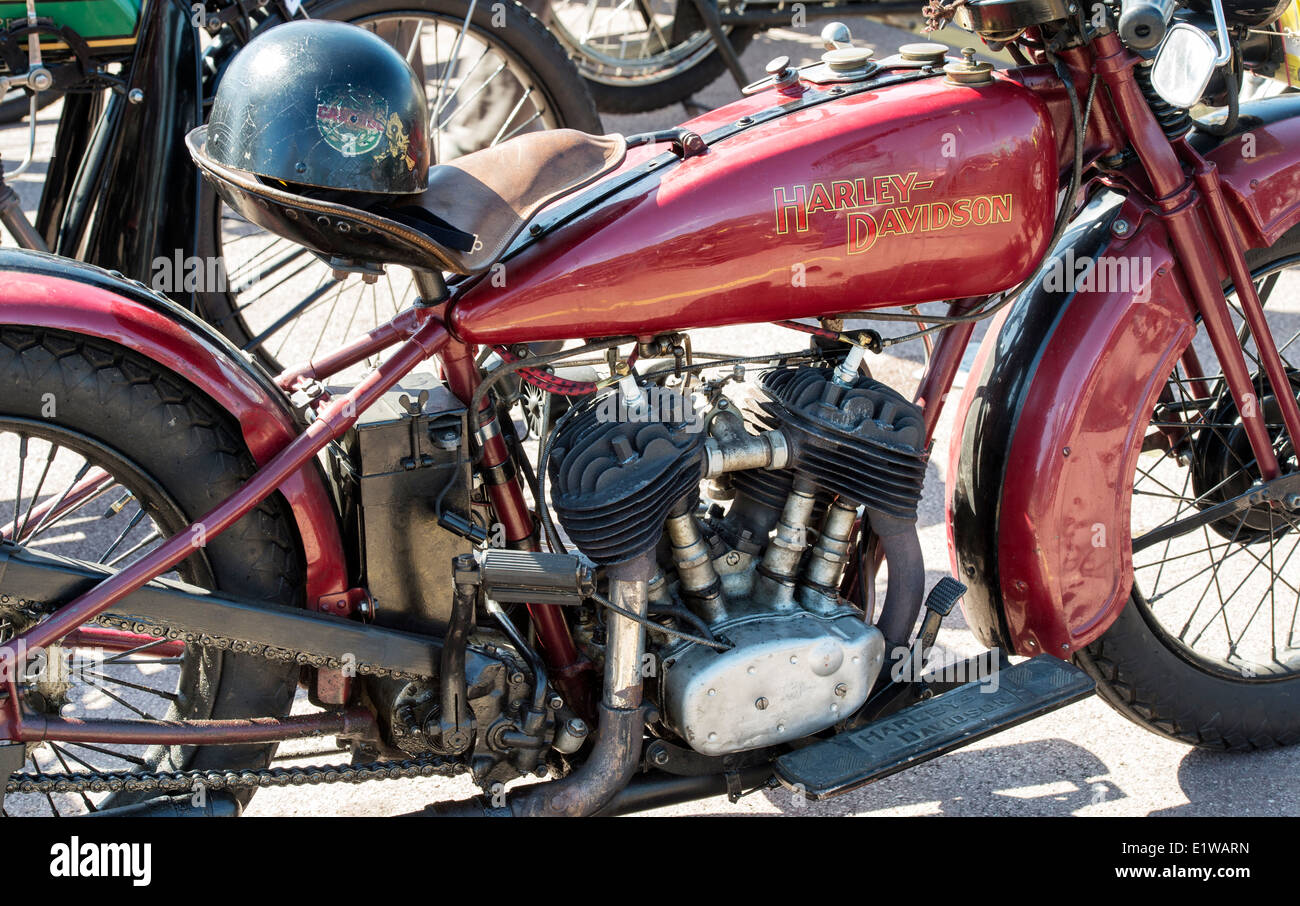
x: 1224, y: 467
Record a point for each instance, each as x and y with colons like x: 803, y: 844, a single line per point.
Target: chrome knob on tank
x: 782, y: 74
x: 836, y: 36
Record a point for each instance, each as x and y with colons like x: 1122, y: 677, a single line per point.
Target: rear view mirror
x: 1184, y: 65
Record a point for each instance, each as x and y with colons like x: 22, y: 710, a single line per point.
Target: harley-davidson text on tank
x: 895, y: 213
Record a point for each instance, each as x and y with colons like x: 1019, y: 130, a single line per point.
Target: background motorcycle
x: 1089, y: 393
x: 650, y: 54
x: 137, y: 80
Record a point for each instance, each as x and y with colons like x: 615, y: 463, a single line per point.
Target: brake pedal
x: 938, y: 604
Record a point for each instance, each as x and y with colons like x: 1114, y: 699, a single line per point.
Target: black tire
x: 193, y: 451
x: 1165, y: 685
x: 644, y: 96
x: 634, y: 85
x: 1141, y: 674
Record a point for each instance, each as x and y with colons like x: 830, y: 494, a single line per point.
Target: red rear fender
x: 44, y: 291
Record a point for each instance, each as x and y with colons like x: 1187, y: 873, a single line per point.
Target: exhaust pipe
x: 616, y: 752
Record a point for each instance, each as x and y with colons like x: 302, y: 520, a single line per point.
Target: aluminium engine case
x: 789, y: 675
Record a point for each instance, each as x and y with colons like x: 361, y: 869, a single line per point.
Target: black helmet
x: 323, y: 104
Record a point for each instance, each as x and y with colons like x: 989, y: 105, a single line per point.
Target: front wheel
x: 1207, y: 651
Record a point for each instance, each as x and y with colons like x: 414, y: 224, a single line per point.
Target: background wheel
x: 104, y: 455
x: 1208, y: 649
x: 488, y: 79
x: 641, y: 55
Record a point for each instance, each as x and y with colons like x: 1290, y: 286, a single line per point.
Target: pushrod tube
x: 333, y: 422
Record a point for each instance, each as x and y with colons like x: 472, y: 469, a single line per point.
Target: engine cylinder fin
x: 867, y: 446
x: 615, y: 481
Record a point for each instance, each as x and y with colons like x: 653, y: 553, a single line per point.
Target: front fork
x: 1176, y: 201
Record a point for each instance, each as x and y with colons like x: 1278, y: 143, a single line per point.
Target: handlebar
x: 1143, y: 23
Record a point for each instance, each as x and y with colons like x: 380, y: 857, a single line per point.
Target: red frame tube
x: 568, y: 669
x: 107, y: 639
x: 86, y: 489
x: 1206, y: 175
x: 944, y: 363
x: 376, y: 341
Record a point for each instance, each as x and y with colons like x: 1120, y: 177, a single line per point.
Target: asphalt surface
x: 1082, y: 760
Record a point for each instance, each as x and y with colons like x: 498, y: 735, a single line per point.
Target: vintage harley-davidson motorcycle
x: 685, y: 595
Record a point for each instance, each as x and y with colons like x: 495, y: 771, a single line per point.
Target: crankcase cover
x: 789, y: 675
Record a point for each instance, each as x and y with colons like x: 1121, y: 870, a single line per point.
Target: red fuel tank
x: 911, y: 193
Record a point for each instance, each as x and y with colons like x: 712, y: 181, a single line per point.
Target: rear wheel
x: 1208, y: 649
x: 488, y: 78
x: 103, y: 456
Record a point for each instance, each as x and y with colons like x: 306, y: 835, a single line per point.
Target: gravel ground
x: 1082, y: 760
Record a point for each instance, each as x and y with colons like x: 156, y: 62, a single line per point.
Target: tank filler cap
x: 848, y: 59
x: 930, y: 54
x: 968, y: 71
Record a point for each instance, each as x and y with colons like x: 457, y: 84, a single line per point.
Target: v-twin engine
x: 756, y: 568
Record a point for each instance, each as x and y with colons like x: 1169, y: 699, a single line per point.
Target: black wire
x: 657, y: 627
x: 681, y: 613
x: 1234, y: 109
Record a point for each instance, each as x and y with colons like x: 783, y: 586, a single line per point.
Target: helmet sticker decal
x: 399, y: 144
x: 350, y: 119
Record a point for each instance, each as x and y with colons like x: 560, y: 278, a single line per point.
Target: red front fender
x: 44, y: 291
x: 1050, y: 427
x: 1048, y: 436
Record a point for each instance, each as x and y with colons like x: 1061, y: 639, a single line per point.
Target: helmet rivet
x: 322, y: 221
x: 300, y: 167
x: 291, y: 213
x: 344, y: 227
